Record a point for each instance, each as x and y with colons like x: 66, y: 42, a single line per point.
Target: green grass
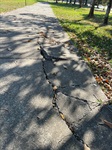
x: 84, y: 31
x: 93, y: 40
x: 8, y: 5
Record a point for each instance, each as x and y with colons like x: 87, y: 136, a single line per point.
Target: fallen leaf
x: 62, y: 116
x: 54, y: 73
x: 55, y: 88
x: 106, y: 80
x: 29, y: 40
x: 65, y: 67
x: 98, y: 79
x: 85, y: 45
x: 51, y: 41
x: 109, y: 124
x: 67, y: 42
x: 88, y: 58
x: 86, y: 147
x: 108, y: 86
x: 9, y: 49
x: 43, y: 34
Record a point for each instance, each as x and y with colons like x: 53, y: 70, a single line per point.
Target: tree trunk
x: 80, y: 3
x: 66, y: 1
x: 91, y: 13
x: 56, y: 1
x: 98, y: 1
x: 83, y: 2
x: 70, y: 1
x: 74, y: 2
x: 86, y: 2
x: 107, y: 12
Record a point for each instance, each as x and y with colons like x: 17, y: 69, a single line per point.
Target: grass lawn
x: 93, y: 40
x: 8, y: 5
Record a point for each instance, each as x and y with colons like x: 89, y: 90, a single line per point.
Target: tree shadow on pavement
x: 27, y: 116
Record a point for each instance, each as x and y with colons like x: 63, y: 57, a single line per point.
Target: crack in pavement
x: 48, y: 57
x: 83, y: 100
x: 73, y: 74
x: 96, y: 104
x: 54, y: 101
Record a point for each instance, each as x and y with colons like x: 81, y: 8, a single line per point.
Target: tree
x: 104, y: 2
x: 70, y: 1
x: 107, y: 12
x: 74, y: 2
x: 86, y: 1
x: 91, y: 12
x: 99, y: 2
x: 80, y: 3
x: 66, y: 1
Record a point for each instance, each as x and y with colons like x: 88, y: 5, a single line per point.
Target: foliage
x: 104, y: 2
x: 91, y: 13
x: 107, y: 12
x: 7, y: 5
x: 93, y: 40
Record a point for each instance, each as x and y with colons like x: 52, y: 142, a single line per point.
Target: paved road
x: 46, y: 104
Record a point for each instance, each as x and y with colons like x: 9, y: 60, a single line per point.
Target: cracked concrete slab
x: 86, y: 122
x: 94, y: 132
x: 74, y: 78
x: 80, y: 105
x: 27, y: 117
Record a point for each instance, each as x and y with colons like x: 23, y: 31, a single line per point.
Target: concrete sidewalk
x: 46, y: 104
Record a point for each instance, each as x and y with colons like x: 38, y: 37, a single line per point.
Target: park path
x: 49, y: 98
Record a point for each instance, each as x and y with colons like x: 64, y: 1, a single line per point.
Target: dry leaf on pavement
x: 109, y: 124
x: 62, y: 116
x: 86, y: 147
x: 9, y: 49
x: 55, y: 88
